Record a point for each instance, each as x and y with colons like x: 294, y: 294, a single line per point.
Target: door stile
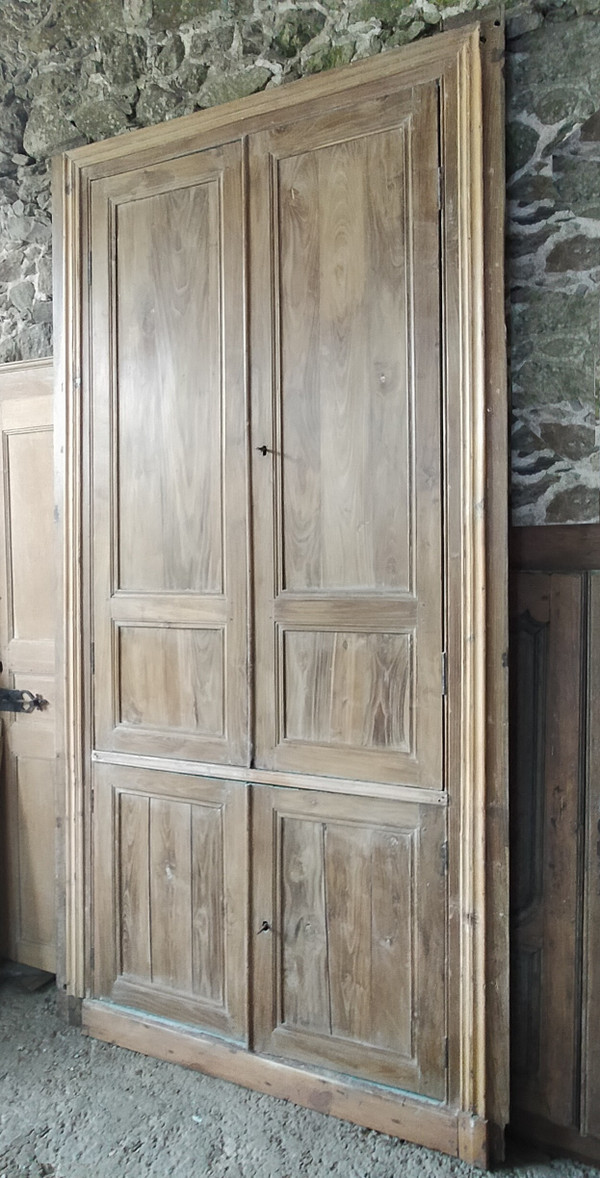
x: 72, y: 735
x: 474, y: 375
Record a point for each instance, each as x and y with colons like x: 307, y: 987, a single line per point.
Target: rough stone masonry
x: 75, y: 71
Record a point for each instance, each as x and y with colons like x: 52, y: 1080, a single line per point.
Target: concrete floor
x: 74, y: 1108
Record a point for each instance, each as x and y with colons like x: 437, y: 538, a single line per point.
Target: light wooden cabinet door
x: 169, y: 486
x: 169, y: 605
x: 283, y: 598
x: 347, y: 408
x: 28, y: 616
x: 350, y: 972
x: 170, y: 917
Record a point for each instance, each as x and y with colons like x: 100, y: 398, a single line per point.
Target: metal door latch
x: 12, y: 700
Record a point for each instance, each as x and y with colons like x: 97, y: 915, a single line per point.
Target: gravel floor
x: 74, y: 1108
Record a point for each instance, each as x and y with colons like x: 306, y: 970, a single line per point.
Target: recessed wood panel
x: 134, y: 893
x: 172, y: 856
x: 28, y: 532
x: 349, y: 689
x: 171, y: 895
x: 168, y: 394
x: 346, y: 382
x: 36, y: 804
x: 208, y: 891
x: 172, y: 678
x: 354, y: 954
x: 170, y: 880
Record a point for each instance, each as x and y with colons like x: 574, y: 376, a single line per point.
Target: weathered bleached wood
x: 374, y: 789
x: 169, y: 482
x: 399, y: 1115
x: 472, y: 600
x: 347, y: 499
x: 323, y: 969
x: 28, y: 618
x: 171, y: 896
x: 70, y: 474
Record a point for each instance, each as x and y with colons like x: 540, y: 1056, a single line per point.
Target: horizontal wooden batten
x: 399, y: 793
x: 556, y: 547
x: 304, y: 611
x: 163, y: 609
x: 421, y: 1121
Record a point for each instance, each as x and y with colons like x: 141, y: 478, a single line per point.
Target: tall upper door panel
x: 168, y: 427
x: 346, y: 442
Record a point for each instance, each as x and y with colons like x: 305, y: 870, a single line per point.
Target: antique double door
x: 271, y: 503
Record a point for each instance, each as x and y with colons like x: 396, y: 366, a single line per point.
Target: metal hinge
x: 446, y: 1053
x: 440, y: 187
x: 444, y: 672
x: 92, y: 799
x: 13, y: 700
x: 93, y: 962
x: 90, y: 268
x: 93, y: 658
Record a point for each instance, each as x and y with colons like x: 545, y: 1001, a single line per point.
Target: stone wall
x: 74, y: 71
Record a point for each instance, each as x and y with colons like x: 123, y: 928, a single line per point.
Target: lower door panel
x: 170, y: 897
x: 349, y: 935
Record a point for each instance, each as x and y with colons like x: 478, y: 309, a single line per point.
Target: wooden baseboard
x: 400, y: 1115
x: 566, y: 1142
x: 556, y: 548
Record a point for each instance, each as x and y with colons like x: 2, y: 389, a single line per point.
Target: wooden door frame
x: 477, y: 556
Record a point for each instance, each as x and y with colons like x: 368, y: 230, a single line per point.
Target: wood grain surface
x: 171, y: 863
x: 169, y: 474
x: 362, y: 549
x: 28, y: 615
x: 343, y: 219
x: 351, y: 969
